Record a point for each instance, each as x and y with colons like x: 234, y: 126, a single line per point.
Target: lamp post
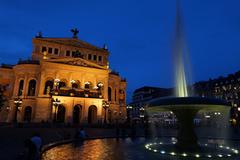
x: 142, y: 113
x: 72, y: 90
x: 129, y: 112
x: 56, y: 83
x: 100, y: 85
x: 17, y: 102
x: 105, y: 105
x: 56, y: 103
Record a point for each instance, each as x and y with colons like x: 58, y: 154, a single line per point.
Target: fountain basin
x: 170, y: 103
x: 185, y: 109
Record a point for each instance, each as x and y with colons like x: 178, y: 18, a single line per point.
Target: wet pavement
x: 112, y: 149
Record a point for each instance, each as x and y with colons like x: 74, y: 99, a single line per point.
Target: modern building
x: 227, y: 88
x: 143, y: 95
x: 66, y: 80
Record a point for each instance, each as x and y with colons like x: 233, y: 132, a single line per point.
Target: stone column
x: 25, y: 86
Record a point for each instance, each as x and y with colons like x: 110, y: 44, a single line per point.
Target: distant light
x: 220, y: 155
x: 173, y: 154
x: 184, y: 154
x: 207, y: 116
x: 72, y: 81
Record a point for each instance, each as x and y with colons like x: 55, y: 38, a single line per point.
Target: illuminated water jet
x: 184, y: 107
x: 179, y: 53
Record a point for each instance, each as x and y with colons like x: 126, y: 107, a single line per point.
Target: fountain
x: 182, y: 105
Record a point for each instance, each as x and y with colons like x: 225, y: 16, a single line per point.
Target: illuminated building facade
x: 66, y: 80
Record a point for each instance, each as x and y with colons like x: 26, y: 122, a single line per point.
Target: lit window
x: 31, y: 87
x: 20, y: 88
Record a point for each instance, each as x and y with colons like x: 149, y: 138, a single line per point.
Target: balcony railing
x: 87, y: 93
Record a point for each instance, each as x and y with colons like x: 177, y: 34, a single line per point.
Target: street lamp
x: 17, y: 102
x: 129, y: 112
x: 105, y: 105
x: 142, y: 112
x: 73, y: 86
x: 72, y: 83
x: 56, y: 83
x: 56, y: 103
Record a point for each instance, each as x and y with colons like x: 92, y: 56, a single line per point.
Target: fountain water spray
x: 179, y: 52
x: 183, y: 106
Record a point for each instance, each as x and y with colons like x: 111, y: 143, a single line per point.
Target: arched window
x: 27, y: 114
x: 48, y: 87
x: 75, y: 84
x: 92, y: 114
x: 32, y: 87
x: 61, y: 84
x: 61, y: 114
x: 20, y: 88
x: 87, y: 85
x: 109, y: 94
x: 77, y: 111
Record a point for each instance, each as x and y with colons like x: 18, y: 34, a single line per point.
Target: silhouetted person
x: 80, y: 134
x: 37, y: 141
x: 31, y: 150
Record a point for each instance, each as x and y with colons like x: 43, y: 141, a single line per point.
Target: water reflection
x: 106, y: 149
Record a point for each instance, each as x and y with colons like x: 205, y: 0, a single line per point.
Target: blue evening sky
x: 139, y: 34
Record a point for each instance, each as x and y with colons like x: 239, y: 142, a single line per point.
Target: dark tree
x: 2, y: 97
